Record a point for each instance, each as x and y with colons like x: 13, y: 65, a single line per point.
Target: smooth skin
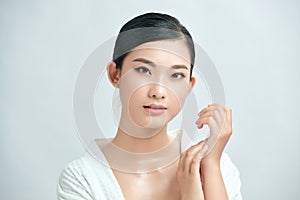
x: 201, y: 178
x: 192, y: 176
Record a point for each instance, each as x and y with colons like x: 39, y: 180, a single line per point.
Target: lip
x: 155, y: 109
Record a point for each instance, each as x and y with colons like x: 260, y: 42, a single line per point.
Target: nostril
x: 154, y: 96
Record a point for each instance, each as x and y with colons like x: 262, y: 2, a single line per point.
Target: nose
x: 157, y: 92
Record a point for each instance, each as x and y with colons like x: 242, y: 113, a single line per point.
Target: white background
x: 254, y: 44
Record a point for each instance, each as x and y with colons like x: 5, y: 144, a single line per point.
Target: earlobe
x: 113, y: 74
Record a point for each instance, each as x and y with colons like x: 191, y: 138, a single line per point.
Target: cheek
x: 135, y: 108
x: 178, y: 92
x: 135, y: 100
x: 176, y: 102
x: 129, y: 84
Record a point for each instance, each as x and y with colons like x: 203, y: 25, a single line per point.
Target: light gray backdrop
x: 254, y: 44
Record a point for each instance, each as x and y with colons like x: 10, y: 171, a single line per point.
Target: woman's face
x: 154, y: 83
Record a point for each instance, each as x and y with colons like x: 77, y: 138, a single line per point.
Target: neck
x: 141, y: 145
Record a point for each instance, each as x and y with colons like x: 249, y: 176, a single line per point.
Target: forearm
x: 212, y: 182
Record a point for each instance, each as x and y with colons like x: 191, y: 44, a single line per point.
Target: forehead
x: 165, y: 52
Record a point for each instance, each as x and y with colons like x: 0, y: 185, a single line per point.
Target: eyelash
x: 176, y: 74
x: 145, y: 70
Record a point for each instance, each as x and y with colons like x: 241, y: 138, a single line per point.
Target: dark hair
x: 150, y: 27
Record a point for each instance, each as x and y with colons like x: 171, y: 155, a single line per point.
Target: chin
x: 157, y: 123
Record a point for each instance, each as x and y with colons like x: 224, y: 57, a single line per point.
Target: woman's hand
x: 218, y: 118
x: 193, y: 168
x: 188, y: 172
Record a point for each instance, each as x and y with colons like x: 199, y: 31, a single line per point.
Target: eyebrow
x: 152, y: 64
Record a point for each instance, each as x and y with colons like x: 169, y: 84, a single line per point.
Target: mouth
x: 155, y: 109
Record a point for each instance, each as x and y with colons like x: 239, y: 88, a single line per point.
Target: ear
x: 192, y: 83
x: 113, y: 74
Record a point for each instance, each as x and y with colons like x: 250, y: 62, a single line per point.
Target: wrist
x: 210, y: 164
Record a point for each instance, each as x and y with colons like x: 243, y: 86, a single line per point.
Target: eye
x: 143, y: 70
x: 178, y: 75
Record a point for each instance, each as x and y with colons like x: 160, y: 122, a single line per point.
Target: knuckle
x: 181, y: 156
x: 210, y: 120
x: 215, y: 112
x: 230, y: 131
x: 195, y: 161
x: 189, y: 152
x: 228, y: 110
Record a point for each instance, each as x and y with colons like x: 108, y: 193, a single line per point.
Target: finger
x: 211, y: 106
x: 189, y: 155
x: 229, y: 115
x: 204, y: 110
x: 202, y: 115
x: 207, y: 112
x: 181, y: 164
x: 222, y: 116
x: 195, y: 165
x: 218, y: 113
x: 200, y: 123
x: 209, y: 120
x: 181, y: 161
x: 228, y: 112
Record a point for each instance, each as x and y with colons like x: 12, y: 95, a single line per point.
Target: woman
x: 152, y: 68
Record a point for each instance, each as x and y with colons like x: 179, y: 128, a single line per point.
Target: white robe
x: 88, y: 179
